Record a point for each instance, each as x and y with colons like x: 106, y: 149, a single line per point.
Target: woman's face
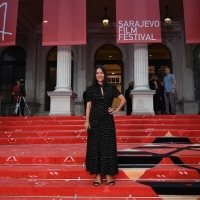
x: 99, y: 76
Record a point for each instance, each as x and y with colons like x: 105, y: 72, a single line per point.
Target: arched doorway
x: 159, y: 59
x: 196, y: 67
x: 51, y: 72
x: 111, y: 58
x: 12, y: 68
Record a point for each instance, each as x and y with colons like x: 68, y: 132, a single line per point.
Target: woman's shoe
x: 111, y: 183
x: 96, y: 183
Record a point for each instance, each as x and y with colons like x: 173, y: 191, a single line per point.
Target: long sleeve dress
x: 101, y: 154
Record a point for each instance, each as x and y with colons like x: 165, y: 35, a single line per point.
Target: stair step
x: 69, y: 122
x: 122, y: 188
x: 43, y: 157
x: 78, y: 172
x: 66, y: 187
x: 83, y: 139
x: 129, y: 153
x: 141, y: 132
x: 118, y: 127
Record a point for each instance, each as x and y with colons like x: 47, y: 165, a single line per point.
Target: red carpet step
x: 44, y: 158
x: 78, y: 172
x: 75, y: 153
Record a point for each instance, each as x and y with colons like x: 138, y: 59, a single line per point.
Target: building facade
x: 41, y: 66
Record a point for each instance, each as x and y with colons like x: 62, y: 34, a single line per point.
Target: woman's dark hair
x: 94, y: 80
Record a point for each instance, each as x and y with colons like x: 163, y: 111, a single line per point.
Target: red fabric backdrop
x: 8, y: 22
x: 138, y: 21
x: 192, y: 20
x: 66, y: 22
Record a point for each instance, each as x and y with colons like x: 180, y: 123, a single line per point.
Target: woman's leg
x: 97, y: 181
x: 110, y: 180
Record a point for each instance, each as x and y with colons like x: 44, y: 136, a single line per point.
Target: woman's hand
x: 112, y: 111
x: 87, y: 125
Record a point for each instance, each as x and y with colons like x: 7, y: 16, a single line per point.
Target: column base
x: 189, y: 106
x: 62, y: 103
x: 142, y: 102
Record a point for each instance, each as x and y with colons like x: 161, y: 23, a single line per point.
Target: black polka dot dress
x: 101, y: 155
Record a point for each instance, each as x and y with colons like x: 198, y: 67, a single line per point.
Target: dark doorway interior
x: 12, y: 68
x: 159, y: 59
x: 196, y: 67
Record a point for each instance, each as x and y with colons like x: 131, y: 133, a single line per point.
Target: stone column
x: 81, y: 77
x: 188, y: 105
x: 188, y: 76
x: 30, y: 78
x: 141, y: 67
x: 63, y: 81
x: 62, y: 98
x: 31, y: 69
x: 142, y: 96
x: 188, y: 84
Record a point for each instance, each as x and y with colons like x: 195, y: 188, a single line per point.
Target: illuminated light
x: 167, y: 19
x: 105, y: 20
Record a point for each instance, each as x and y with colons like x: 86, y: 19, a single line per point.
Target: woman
x: 101, y: 155
x: 153, y: 84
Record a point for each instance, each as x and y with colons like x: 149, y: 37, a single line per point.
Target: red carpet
x: 43, y: 158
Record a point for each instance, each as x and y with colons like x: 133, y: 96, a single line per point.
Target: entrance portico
x: 33, y: 69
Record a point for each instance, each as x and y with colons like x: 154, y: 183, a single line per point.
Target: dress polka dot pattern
x: 101, y: 155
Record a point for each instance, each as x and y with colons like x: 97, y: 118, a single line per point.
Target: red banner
x: 8, y: 22
x: 192, y: 20
x: 64, y: 22
x: 138, y: 21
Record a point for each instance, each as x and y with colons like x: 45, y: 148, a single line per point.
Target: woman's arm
x: 88, y: 108
x: 156, y: 84
x: 122, y: 102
